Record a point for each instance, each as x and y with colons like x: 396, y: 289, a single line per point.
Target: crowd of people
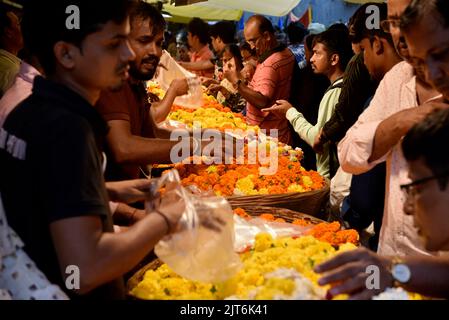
x: 368, y: 106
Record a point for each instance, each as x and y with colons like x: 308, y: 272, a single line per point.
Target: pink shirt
x: 203, y: 55
x: 20, y: 89
x: 273, y: 79
x: 396, y: 92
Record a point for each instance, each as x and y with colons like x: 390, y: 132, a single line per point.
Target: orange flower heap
x: 325, y: 231
x: 245, y: 179
x: 331, y: 233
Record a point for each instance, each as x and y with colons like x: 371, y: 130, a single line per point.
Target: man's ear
x: 335, y: 59
x: 267, y: 35
x: 378, y: 45
x: 65, y: 54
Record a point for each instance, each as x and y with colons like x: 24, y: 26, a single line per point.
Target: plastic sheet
x: 195, y: 251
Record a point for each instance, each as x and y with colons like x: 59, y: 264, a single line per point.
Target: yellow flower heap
x: 268, y: 255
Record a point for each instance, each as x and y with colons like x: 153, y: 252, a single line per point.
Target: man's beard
x: 137, y: 74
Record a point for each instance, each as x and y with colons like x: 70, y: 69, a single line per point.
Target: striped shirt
x: 273, y: 80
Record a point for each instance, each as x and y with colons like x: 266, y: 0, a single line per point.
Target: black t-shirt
x: 51, y: 169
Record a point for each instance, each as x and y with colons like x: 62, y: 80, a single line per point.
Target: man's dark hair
x: 296, y: 32
x: 44, y: 24
x: 145, y: 11
x: 197, y: 27
x: 225, y: 30
x: 418, y: 9
x: 264, y: 23
x: 338, y: 26
x: 336, y: 42
x: 308, y: 41
x: 427, y: 140
x: 358, y: 28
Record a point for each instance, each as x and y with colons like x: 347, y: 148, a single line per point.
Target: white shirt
x: 396, y: 92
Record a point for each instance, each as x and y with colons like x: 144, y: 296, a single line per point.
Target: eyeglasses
x: 387, y: 25
x: 410, y: 188
x: 253, y: 42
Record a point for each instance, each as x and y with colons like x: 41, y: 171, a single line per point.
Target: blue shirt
x: 299, y: 52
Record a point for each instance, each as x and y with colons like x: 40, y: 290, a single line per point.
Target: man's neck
x: 335, y: 74
x: 90, y: 95
x: 390, y: 61
x: 424, y: 92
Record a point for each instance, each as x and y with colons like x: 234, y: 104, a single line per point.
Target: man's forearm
x: 160, y: 110
x: 391, y: 130
x: 126, y: 215
x: 143, y: 151
x: 255, y: 98
x: 198, y: 65
x: 103, y: 257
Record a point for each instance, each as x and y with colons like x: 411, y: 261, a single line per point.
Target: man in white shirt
x: 376, y: 137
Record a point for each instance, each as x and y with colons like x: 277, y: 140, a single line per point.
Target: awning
x: 229, y: 9
x: 364, y: 1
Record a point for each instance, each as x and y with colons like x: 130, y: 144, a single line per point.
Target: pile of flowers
x: 332, y: 233
x: 211, y: 116
x: 245, y: 179
x: 260, y: 278
x: 155, y: 88
x: 329, y: 232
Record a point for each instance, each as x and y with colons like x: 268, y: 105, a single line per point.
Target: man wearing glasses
x: 425, y: 26
x: 271, y: 81
x: 426, y: 202
x: 402, y: 100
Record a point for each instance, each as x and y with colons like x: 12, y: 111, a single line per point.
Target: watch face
x: 401, y: 273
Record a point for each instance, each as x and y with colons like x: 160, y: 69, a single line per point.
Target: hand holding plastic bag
x: 201, y: 247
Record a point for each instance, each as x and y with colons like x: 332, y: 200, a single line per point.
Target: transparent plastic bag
x: 246, y: 231
x: 171, y: 71
x: 194, y: 251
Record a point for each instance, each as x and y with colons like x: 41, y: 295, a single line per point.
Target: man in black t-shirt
x: 50, y: 161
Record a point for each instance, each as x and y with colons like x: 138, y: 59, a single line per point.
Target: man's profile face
x: 258, y: 41
x: 427, y: 202
x: 147, y: 47
x: 428, y: 43
x: 395, y: 10
x: 103, y: 60
x: 320, y: 60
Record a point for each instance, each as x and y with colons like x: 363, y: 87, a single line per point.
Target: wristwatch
x: 400, y: 271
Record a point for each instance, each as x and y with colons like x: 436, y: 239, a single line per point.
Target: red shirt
x: 204, y: 54
x: 273, y: 79
x: 128, y: 104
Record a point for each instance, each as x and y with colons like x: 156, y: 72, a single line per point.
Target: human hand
x: 281, y: 107
x: 128, y: 191
x: 247, y: 72
x: 220, y: 146
x: 317, y: 144
x: 348, y: 273
x: 170, y: 205
x: 213, y: 89
x: 180, y: 86
x: 208, y: 81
